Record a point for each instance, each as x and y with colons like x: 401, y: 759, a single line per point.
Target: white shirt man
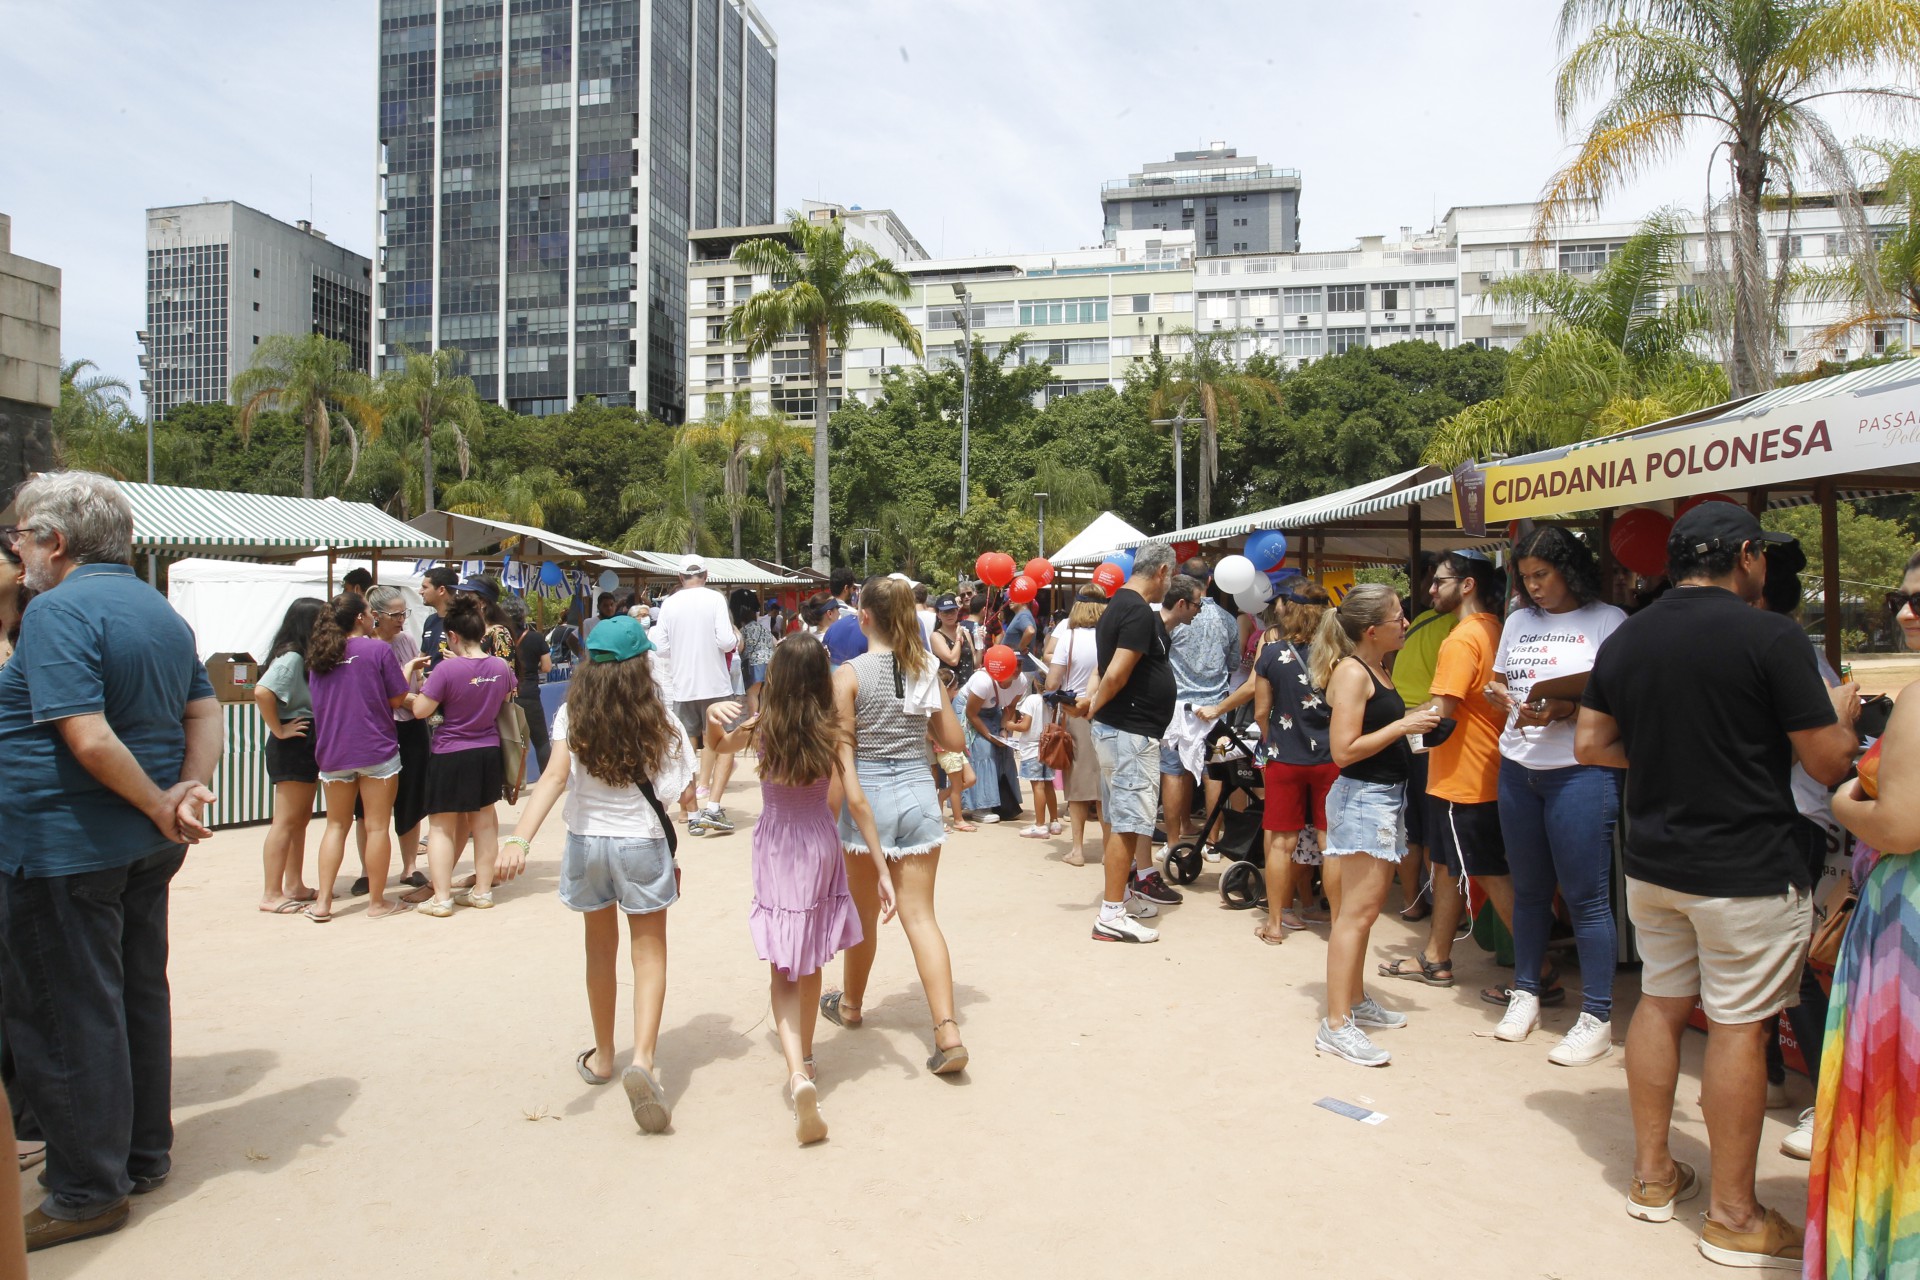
x: 696, y: 631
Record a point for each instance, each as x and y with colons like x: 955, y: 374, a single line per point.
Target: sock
x: 1112, y: 911
x: 1143, y: 874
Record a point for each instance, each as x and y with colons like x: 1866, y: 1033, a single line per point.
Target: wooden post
x: 1413, y: 548
x: 1757, y: 502
x: 331, y: 552
x: 1830, y: 568
x: 1605, y: 550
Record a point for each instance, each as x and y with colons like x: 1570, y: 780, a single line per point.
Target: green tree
x: 782, y: 440
x: 1748, y: 74
x: 1616, y: 353
x: 430, y: 390
x: 312, y: 379
x: 95, y: 429
x: 823, y: 285
x: 501, y: 491
x: 1873, y: 552
x: 740, y: 434
x: 672, y: 513
x: 1879, y: 284
x: 1210, y: 382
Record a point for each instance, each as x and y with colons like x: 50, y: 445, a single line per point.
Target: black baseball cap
x: 946, y: 604
x: 482, y: 587
x: 1720, y: 526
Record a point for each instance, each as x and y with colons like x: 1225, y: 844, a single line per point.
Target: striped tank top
x: 884, y: 728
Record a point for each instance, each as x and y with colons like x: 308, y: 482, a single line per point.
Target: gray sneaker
x: 1349, y: 1042
x: 1368, y: 1013
x: 715, y: 819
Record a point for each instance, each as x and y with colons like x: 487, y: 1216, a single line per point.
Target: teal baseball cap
x: 617, y: 638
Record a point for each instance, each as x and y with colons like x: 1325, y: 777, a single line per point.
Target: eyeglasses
x: 1439, y: 581
x: 397, y: 613
x: 1899, y: 600
x: 13, y: 533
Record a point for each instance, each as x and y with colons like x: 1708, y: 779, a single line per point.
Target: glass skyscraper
x: 541, y: 163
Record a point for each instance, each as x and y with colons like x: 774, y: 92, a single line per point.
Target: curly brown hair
x: 800, y: 734
x: 617, y: 727
x: 328, y: 645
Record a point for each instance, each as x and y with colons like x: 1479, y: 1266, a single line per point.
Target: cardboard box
x: 233, y: 675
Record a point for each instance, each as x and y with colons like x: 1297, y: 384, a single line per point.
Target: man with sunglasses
x: 1706, y: 702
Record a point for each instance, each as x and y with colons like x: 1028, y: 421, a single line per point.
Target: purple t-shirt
x: 352, y: 716
x: 470, y: 692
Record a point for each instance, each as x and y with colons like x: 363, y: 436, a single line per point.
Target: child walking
x: 802, y: 912
x: 1024, y: 722
x: 619, y: 756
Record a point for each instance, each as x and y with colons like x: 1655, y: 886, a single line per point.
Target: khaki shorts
x: 1741, y: 956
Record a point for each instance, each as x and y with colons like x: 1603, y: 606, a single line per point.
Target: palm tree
x: 781, y: 438
x: 1207, y: 380
x: 1746, y: 72
x: 1880, y: 284
x: 1617, y: 352
x: 1075, y: 495
x: 737, y: 431
x: 504, y: 492
x: 95, y: 429
x: 672, y: 514
x: 431, y: 389
x: 823, y: 285
x: 312, y: 379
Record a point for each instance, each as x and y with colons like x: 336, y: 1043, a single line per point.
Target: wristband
x: 522, y: 841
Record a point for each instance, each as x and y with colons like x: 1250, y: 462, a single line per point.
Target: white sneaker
x: 1522, y: 1016
x: 1210, y: 853
x: 1369, y: 1013
x: 1349, y: 1042
x: 1799, y: 1140
x: 1140, y: 908
x: 1586, y: 1042
x: 1123, y: 928
x: 1035, y: 833
x: 987, y: 819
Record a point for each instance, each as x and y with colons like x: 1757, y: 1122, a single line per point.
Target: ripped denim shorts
x: 1366, y: 817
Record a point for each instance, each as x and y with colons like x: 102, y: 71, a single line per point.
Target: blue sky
x: 987, y: 125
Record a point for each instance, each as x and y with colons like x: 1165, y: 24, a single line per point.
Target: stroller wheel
x: 1183, y: 862
x: 1242, y: 886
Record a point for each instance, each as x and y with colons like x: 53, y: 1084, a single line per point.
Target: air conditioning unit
x: 1259, y: 322
x: 1216, y: 324
x: 1790, y: 354
x: 1390, y: 315
x: 1302, y: 320
x: 1429, y: 313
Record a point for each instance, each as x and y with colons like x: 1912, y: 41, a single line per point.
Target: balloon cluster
x: 997, y: 569
x: 1253, y: 578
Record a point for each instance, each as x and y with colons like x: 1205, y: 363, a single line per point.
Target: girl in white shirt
x: 1025, y: 722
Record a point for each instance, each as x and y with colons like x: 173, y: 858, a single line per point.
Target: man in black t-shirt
x: 436, y: 589
x: 1131, y: 707
x: 1706, y: 702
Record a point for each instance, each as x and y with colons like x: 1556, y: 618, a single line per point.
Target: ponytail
x: 1330, y: 644
x: 328, y: 644
x: 1366, y: 605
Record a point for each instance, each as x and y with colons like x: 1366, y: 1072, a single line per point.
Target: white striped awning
x: 721, y: 570
x: 474, y: 536
x: 257, y: 526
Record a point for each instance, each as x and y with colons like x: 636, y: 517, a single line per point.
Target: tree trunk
x: 734, y: 515
x: 306, y: 462
x: 426, y: 452
x: 821, y: 553
x: 779, y: 532
x: 1750, y: 363
x: 1209, y: 433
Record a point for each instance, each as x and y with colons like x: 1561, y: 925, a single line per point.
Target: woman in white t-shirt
x: 1072, y: 665
x: 1557, y: 815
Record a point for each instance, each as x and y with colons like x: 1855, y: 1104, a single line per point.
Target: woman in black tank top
x: 1366, y: 837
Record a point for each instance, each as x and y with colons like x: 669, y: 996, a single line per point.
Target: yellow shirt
x: 1413, y: 665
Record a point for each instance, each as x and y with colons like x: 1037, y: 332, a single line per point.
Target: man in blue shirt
x: 844, y: 639
x: 1204, y: 652
x: 110, y: 732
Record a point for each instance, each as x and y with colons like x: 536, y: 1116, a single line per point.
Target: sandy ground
x: 397, y: 1098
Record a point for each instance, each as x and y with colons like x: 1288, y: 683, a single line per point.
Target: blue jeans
x: 1558, y: 825
x: 90, y: 1020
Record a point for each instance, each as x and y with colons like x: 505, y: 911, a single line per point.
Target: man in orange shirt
x: 1463, y: 765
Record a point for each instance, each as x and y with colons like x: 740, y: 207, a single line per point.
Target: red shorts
x: 1293, y: 789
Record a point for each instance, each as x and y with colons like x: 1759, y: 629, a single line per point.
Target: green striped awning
x: 256, y: 526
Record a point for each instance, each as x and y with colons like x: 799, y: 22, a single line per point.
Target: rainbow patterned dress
x: 1863, y: 1192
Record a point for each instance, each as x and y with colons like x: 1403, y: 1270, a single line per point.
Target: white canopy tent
x: 235, y: 606
x: 1107, y: 533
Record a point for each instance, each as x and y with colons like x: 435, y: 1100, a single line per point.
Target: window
x: 985, y: 315
x: 256, y: 273
x: 1346, y: 297
x: 1789, y: 246
x: 1239, y: 246
x: 1443, y: 334
x: 1063, y: 311
x: 716, y: 331
x: 1343, y: 340
x: 742, y: 288
x: 1581, y: 258
x: 716, y: 293
x: 1061, y: 388
x: 1301, y: 301
x: 1428, y: 294
x: 256, y: 339
x: 256, y: 306
x: 1304, y: 344
x: 1066, y: 351
x: 1391, y: 297
x: 742, y: 366
x: 716, y: 368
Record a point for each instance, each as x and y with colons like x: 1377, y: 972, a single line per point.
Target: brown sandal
x: 1272, y: 939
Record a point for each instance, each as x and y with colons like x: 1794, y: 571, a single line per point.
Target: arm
x: 1262, y: 705
x: 723, y: 633
x: 1113, y: 680
x: 719, y: 737
x: 269, y: 705
x: 974, y: 721
x: 946, y: 651
x: 1827, y: 753
x: 421, y: 705
x: 206, y: 738
x: 553, y: 780
x: 1891, y: 822
x: 862, y: 813
x: 1252, y: 691
x: 1348, y: 692
x: 1013, y: 721
x: 101, y: 753
x: 1596, y: 740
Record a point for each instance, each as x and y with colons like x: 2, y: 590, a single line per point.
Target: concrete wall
x: 29, y: 362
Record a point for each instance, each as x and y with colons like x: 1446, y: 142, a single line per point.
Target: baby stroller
x: 1232, y: 762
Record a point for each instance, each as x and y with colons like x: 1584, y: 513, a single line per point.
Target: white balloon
x: 609, y: 580
x: 1235, y: 574
x: 1250, y: 601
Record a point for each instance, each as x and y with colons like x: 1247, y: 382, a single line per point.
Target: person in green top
x: 1413, y: 676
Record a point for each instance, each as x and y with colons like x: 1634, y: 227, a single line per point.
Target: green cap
x: 617, y: 638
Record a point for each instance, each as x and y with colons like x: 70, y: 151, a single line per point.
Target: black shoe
x: 359, y: 889
x: 1155, y: 889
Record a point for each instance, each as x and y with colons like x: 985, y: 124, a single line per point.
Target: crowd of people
x: 1480, y: 745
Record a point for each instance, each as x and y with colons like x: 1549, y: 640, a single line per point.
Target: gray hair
x: 515, y: 608
x: 87, y: 508
x: 382, y: 599
x: 1151, y: 559
x: 1183, y: 590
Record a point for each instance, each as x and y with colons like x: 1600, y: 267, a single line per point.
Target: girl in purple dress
x: 802, y: 914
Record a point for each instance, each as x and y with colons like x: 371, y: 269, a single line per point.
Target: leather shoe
x: 44, y: 1232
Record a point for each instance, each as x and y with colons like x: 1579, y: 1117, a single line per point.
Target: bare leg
x: 1413, y: 874
x: 1330, y: 879
x: 1653, y: 1069
x: 1212, y: 792
x: 1176, y: 798
x: 1499, y: 891
x: 1734, y: 1098
x: 856, y: 963
x: 376, y: 799
x: 485, y: 824
x: 809, y: 1011
x: 280, y: 865
x: 1364, y: 883
x: 443, y: 851
x: 1077, y: 818
x: 1052, y: 798
x: 410, y: 849
x: 787, y: 1006
x: 1118, y: 859
x: 1449, y: 909
x: 647, y: 939
x: 603, y: 949
x: 333, y: 841
x: 913, y: 880
x: 1279, y: 875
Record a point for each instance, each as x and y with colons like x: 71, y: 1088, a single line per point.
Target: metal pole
x: 153, y: 380
x: 1179, y: 481
x: 1830, y: 570
x: 1042, y: 499
x: 966, y: 385
x: 865, y: 534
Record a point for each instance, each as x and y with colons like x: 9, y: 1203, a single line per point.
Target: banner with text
x: 1828, y: 436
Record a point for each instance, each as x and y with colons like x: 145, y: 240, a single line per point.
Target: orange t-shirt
x: 1466, y: 767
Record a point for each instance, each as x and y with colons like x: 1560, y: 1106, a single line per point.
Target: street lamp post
x: 147, y: 385
x: 1177, y: 421
x: 966, y: 381
x: 1041, y: 498
x: 865, y: 534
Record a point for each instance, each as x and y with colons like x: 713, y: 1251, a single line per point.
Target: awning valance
x: 169, y: 519
x: 472, y: 536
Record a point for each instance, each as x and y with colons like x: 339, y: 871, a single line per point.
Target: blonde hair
x: 890, y: 603
x: 1300, y: 619
x: 1087, y: 608
x: 1367, y: 605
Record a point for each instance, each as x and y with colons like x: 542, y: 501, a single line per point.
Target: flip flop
x: 965, y: 826
x: 1271, y: 939
x: 358, y: 887
x: 400, y: 907
x: 290, y: 907
x: 645, y: 1099
x: 580, y: 1065
x: 830, y: 1010
x: 417, y: 879
x: 309, y: 913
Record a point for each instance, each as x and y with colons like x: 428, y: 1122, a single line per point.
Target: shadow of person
x: 258, y: 1135
x: 894, y: 1034
x: 215, y: 1077
x: 1601, y: 1122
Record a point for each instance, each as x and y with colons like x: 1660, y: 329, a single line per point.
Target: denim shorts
x: 1129, y: 778
x: 1035, y: 771
x: 1366, y: 817
x: 633, y: 874
x: 906, y: 808
x: 373, y: 772
x: 1170, y: 762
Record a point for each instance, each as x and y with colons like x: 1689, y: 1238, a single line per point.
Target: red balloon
x: 1185, y: 550
x: 1040, y: 569
x: 983, y: 567
x: 1002, y: 663
x: 1513, y: 531
x: 1022, y: 590
x: 1109, y: 578
x: 995, y: 568
x: 1685, y: 505
x: 1639, y: 540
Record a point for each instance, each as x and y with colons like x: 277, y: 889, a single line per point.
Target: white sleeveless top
x: 1080, y: 656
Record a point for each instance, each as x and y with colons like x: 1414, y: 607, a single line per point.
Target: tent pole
x: 330, y: 555
x: 1830, y: 569
x: 1606, y: 557
x: 1413, y: 550
x: 1757, y: 502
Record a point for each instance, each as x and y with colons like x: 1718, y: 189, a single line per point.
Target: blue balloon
x: 1124, y: 559
x: 550, y: 575
x: 1267, y: 548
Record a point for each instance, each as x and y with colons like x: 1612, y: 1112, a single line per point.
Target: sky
x: 987, y: 125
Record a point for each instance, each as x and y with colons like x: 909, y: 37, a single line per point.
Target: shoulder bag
x: 511, y: 725
x: 1056, y: 744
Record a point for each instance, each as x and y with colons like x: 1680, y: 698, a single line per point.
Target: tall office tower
x: 221, y: 276
x: 1232, y: 203
x: 541, y: 163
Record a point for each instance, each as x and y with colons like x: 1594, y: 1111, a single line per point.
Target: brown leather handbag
x: 1056, y: 745
x: 1824, y: 948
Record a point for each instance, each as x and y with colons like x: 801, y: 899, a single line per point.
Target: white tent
x: 235, y: 606
x: 1107, y: 533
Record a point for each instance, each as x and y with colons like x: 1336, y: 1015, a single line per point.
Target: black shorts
x: 1417, y: 802
x: 291, y: 759
x: 410, y: 798
x: 1467, y: 834
x: 463, y: 781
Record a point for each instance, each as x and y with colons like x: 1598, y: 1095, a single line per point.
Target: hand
x: 510, y: 862
x: 721, y: 714
x: 292, y: 729
x: 177, y: 813
x: 1846, y: 702
x: 415, y: 664
x: 1500, y: 696
x: 1208, y: 714
x: 1084, y: 703
x: 887, y: 905
x: 1421, y: 720
x: 1534, y: 714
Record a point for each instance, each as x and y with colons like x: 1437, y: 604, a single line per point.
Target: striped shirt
x: 883, y: 727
